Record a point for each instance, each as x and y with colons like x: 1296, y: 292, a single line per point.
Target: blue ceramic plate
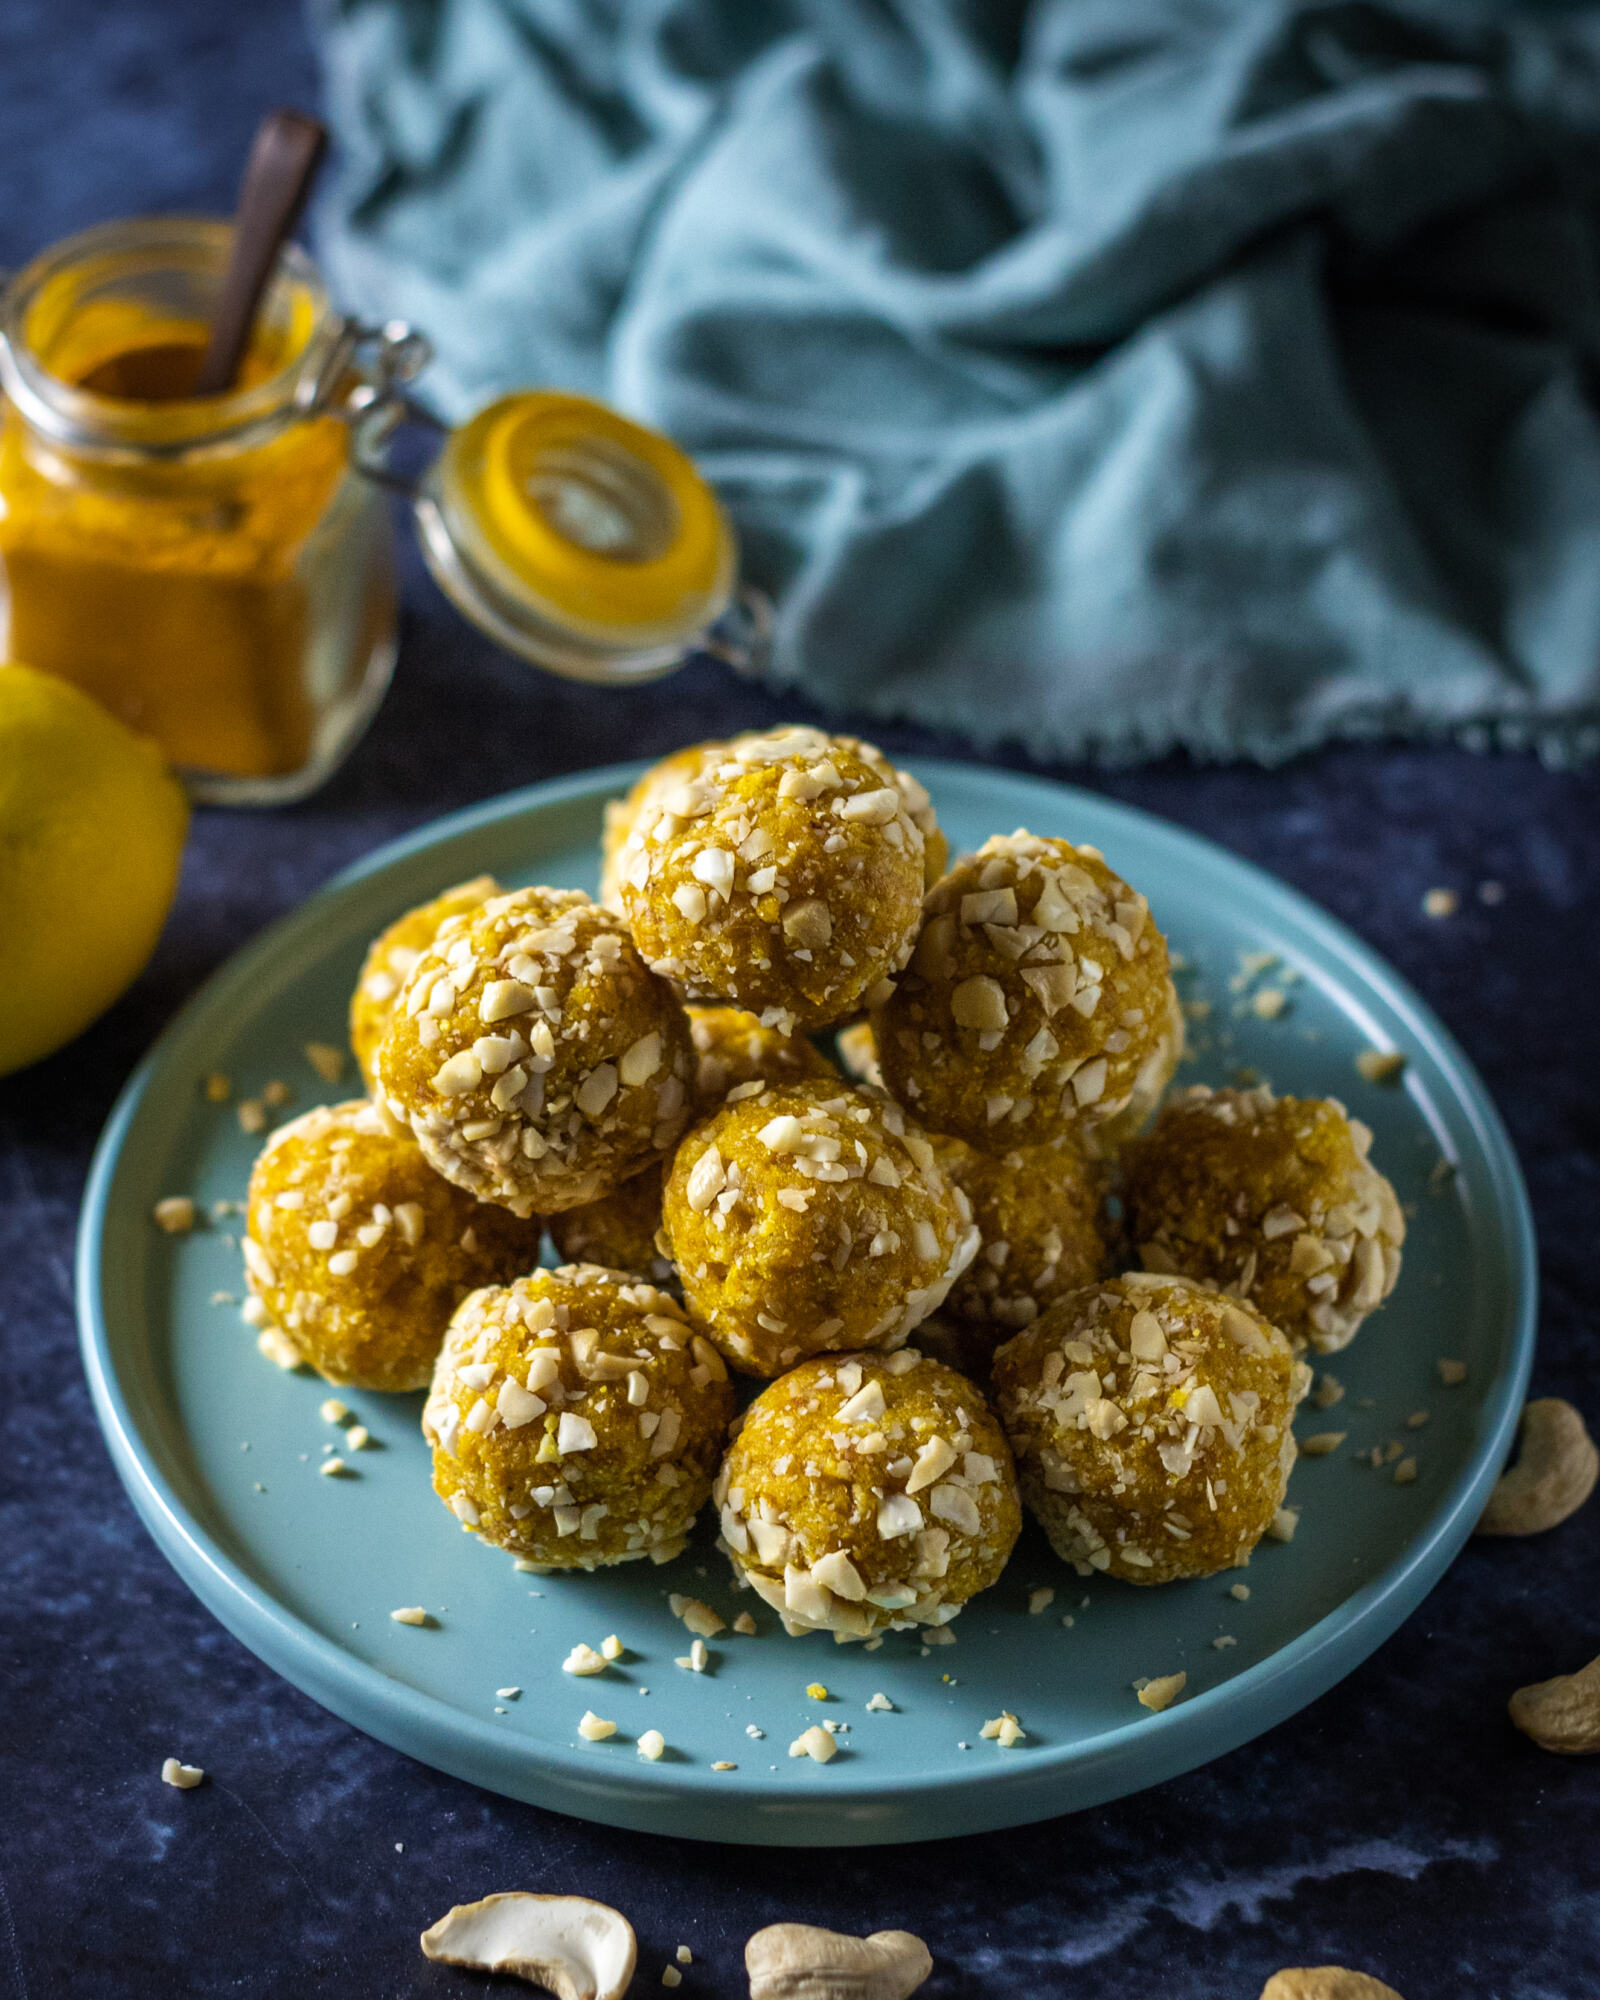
x: 220, y: 1450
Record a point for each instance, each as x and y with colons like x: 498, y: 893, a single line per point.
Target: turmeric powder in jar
x: 209, y: 568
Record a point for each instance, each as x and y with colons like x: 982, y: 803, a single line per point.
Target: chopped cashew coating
x: 815, y: 1743
x: 801, y: 1962
x: 584, y: 1660
x: 1005, y: 1730
x: 594, y: 1728
x: 174, y: 1214
x: 1162, y: 1692
x: 652, y: 1745
x: 1325, y: 1982
x: 411, y: 1614
x: 1562, y: 1714
x: 572, y: 1947
x: 1554, y: 1473
x: 184, y: 1776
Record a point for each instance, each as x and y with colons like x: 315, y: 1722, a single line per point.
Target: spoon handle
x: 284, y: 159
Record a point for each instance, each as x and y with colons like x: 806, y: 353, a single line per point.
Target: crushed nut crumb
x: 1161, y: 1692
x: 1321, y: 1443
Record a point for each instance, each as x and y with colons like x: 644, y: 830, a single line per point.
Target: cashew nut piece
x: 572, y: 1947
x: 1563, y: 1714
x: 1554, y: 1473
x: 800, y: 1962
x: 1325, y: 1982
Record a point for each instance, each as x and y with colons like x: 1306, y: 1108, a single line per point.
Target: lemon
x: 91, y: 834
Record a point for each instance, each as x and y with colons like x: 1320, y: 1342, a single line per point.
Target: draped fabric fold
x: 1097, y: 377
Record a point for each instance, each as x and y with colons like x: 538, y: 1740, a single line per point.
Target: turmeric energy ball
x: 1038, y: 1215
x: 1151, y: 1421
x: 732, y: 1047
x: 784, y: 876
x: 1273, y: 1199
x: 641, y: 807
x: 618, y: 1231
x: 538, y: 1060
x: 935, y: 848
x: 1039, y: 998
x: 808, y: 1217
x: 868, y: 1492
x: 390, y: 959
x: 576, y: 1419
x: 360, y: 1252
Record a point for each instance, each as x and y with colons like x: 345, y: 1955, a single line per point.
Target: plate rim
x: 992, y: 1797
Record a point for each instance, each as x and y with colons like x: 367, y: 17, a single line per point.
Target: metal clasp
x: 364, y: 380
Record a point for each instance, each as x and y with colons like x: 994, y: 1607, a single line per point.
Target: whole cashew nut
x: 800, y: 1962
x: 1554, y: 1473
x: 1325, y: 1982
x: 1563, y: 1714
x: 569, y: 1945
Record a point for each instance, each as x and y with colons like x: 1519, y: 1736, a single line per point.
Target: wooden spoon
x: 284, y: 159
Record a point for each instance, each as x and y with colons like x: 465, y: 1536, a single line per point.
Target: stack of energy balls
x: 916, y: 1257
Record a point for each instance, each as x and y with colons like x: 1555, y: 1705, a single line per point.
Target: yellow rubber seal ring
x: 604, y: 523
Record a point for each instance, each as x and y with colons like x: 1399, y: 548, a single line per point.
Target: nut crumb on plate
x: 326, y: 1060
x: 1161, y: 1692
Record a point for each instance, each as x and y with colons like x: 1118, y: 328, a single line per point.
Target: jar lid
x: 581, y: 539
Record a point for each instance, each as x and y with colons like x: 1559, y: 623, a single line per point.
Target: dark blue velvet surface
x: 1399, y: 1824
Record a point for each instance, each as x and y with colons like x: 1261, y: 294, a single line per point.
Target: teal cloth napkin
x: 1095, y: 377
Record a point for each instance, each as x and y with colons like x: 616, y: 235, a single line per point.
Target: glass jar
x: 213, y: 570
x: 218, y: 571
